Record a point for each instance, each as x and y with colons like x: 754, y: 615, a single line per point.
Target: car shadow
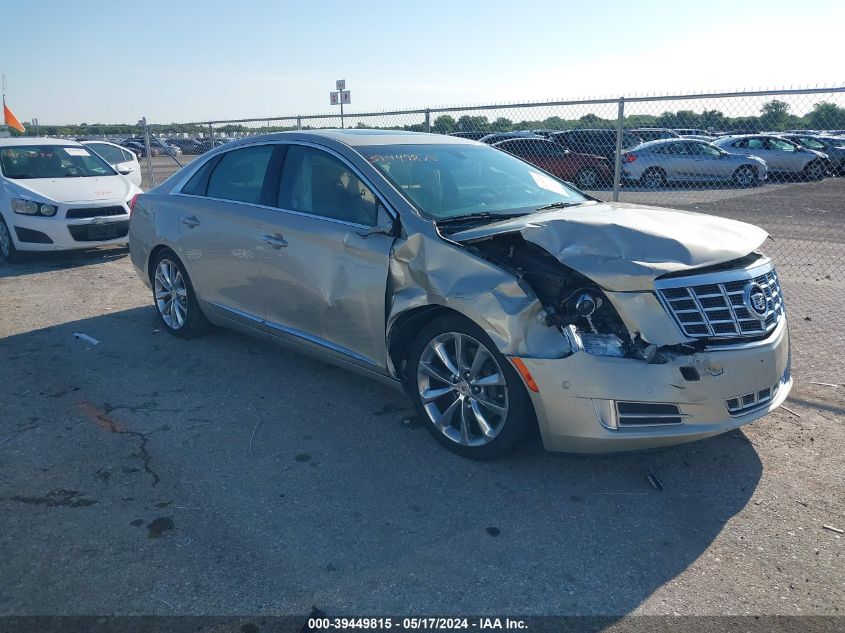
x: 298, y: 483
x: 36, y: 262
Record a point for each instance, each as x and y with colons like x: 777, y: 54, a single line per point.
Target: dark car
x: 473, y: 136
x: 497, y: 137
x: 190, y: 145
x: 654, y: 133
x: 584, y: 170
x: 596, y: 142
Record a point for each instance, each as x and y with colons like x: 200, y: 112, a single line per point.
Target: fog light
x: 603, y: 345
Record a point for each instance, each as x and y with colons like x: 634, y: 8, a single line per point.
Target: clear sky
x: 115, y: 61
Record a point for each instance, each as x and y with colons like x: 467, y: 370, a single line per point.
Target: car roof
x: 669, y: 141
x: 35, y: 140
x: 359, y: 137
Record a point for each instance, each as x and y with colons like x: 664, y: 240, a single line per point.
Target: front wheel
x: 814, y: 170
x: 745, y: 176
x: 8, y: 252
x: 469, y: 395
x: 174, y: 297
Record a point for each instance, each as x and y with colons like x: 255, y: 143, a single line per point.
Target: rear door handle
x: 276, y: 241
x: 190, y: 221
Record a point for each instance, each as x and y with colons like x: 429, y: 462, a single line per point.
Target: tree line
x: 774, y: 116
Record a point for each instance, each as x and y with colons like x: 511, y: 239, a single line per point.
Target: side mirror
x: 385, y: 224
x: 125, y: 171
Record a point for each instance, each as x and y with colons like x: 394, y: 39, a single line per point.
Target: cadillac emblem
x: 755, y: 300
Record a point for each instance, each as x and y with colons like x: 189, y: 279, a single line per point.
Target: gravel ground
x: 151, y: 475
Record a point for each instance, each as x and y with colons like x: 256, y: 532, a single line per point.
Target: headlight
x: 24, y: 207
x: 603, y: 345
x: 29, y: 207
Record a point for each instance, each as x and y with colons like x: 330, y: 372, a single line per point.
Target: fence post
x: 211, y: 135
x: 427, y: 120
x: 617, y: 166
x: 298, y: 122
x: 150, y: 171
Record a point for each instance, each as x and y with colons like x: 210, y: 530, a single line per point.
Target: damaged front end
x: 571, y: 303
x: 630, y: 356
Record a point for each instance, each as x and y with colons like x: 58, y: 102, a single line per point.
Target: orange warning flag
x: 11, y: 120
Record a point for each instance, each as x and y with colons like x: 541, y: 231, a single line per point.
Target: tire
x: 587, y: 178
x: 653, y: 177
x: 476, y: 421
x: 814, y: 170
x: 174, y: 298
x: 8, y: 252
x: 745, y: 176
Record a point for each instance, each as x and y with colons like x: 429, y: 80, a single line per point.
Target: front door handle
x: 190, y: 221
x: 276, y: 241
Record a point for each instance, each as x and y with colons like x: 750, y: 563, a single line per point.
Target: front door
x: 324, y: 280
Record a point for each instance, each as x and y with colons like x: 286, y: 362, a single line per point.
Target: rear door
x: 220, y: 211
x: 324, y: 279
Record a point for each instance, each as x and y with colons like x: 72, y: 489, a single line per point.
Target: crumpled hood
x: 624, y: 247
x: 73, y: 189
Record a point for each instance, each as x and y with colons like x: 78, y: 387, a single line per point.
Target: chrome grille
x: 715, y: 306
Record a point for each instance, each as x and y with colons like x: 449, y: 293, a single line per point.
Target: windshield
x: 447, y: 181
x: 51, y: 161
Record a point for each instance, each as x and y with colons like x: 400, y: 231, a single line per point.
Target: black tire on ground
x: 8, y: 252
x: 653, y: 177
x: 814, y: 170
x: 520, y: 412
x: 745, y: 176
x: 193, y: 320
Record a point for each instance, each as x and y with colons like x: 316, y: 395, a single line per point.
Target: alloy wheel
x: 462, y: 389
x: 653, y: 179
x: 745, y: 177
x: 171, y: 294
x: 587, y: 178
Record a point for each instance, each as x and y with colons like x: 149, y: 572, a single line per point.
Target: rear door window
x: 239, y: 175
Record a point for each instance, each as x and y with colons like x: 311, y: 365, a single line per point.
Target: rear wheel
x: 587, y: 178
x: 814, y: 170
x: 471, y: 398
x: 174, y: 297
x: 653, y: 177
x: 7, y: 246
x: 745, y: 176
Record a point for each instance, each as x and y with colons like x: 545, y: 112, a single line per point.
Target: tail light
x: 629, y: 158
x: 133, y: 201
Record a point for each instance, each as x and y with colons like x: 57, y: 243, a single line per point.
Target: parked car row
x: 656, y: 157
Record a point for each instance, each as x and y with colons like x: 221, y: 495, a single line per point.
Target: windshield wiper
x: 558, y: 205
x: 472, y: 217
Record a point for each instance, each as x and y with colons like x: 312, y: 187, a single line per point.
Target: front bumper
x: 574, y: 389
x: 39, y: 233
